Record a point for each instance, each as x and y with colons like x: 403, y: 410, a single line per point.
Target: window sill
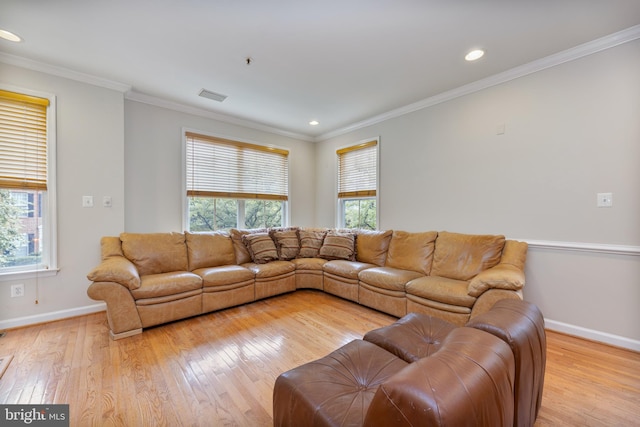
x: 30, y: 274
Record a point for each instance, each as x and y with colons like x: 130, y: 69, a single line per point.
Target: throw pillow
x: 287, y: 244
x: 260, y: 247
x: 338, y: 245
x: 310, y: 243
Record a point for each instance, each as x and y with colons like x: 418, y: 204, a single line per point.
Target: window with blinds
x: 219, y: 167
x: 357, y: 170
x: 26, y: 202
x: 23, y: 141
x: 234, y: 184
x: 357, y: 185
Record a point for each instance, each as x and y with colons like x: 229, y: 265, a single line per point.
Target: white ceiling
x: 336, y: 61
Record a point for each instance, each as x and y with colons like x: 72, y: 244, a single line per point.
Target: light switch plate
x: 87, y: 201
x: 605, y: 200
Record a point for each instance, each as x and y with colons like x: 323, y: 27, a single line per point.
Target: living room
x: 569, y: 130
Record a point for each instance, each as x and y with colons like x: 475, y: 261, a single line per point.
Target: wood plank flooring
x: 219, y: 369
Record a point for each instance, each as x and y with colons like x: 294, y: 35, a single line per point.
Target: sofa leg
x: 124, y: 334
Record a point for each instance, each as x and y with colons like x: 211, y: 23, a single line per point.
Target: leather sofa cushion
x: 209, y: 250
x: 348, y: 269
x: 467, y: 382
x: 335, y: 390
x: 372, y: 246
x: 462, y: 256
x: 388, y: 277
x: 224, y: 275
x: 441, y: 289
x: 411, y: 251
x: 165, y: 284
x: 412, y: 337
x: 272, y: 269
x: 315, y: 264
x: 154, y: 253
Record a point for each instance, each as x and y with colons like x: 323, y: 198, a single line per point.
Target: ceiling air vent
x: 212, y: 95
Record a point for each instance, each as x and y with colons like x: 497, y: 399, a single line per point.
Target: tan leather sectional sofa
x: 154, y: 278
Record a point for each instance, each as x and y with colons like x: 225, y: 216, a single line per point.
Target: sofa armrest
x: 116, y: 269
x: 502, y: 276
x: 122, y: 313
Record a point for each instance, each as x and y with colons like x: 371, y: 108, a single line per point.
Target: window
x: 232, y: 184
x: 26, y: 183
x: 357, y: 186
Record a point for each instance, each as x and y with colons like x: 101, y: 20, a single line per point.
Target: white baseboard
x: 590, y: 334
x: 51, y: 316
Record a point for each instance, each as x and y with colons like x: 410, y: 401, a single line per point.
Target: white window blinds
x: 23, y: 141
x: 218, y: 167
x: 357, y: 170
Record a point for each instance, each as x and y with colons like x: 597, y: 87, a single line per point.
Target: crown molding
x: 176, y: 106
x: 30, y: 64
x: 580, y: 51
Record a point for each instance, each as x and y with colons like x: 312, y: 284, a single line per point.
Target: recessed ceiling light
x: 474, y: 55
x: 314, y: 123
x: 8, y: 35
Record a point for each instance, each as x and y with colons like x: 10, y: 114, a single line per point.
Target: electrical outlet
x: 17, y: 290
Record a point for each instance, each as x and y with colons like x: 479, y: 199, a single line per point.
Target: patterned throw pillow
x: 287, y: 244
x: 310, y: 243
x: 260, y: 247
x: 338, y: 245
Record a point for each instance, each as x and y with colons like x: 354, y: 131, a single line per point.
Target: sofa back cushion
x: 372, y: 246
x: 462, y: 256
x: 209, y: 249
x: 154, y: 253
x: 411, y: 251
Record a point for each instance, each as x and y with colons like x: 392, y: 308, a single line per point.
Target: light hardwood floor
x: 219, y: 369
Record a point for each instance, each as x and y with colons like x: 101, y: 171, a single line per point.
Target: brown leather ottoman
x: 467, y: 382
x: 412, y: 337
x: 521, y: 325
x: 335, y: 390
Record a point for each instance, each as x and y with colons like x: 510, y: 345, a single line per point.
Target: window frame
x: 340, y: 201
x: 240, y: 206
x: 48, y: 265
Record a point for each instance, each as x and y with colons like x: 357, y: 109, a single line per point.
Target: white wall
x: 90, y: 161
x: 571, y: 131
x: 153, y: 172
